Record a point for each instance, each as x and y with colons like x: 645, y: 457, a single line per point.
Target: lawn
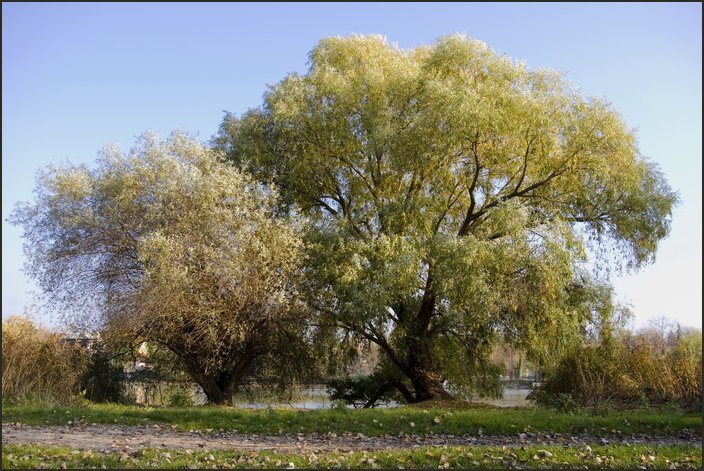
x: 370, y: 422
x: 617, y: 456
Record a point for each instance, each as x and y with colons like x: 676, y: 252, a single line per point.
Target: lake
x: 311, y: 397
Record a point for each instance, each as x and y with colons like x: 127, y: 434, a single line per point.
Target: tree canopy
x: 451, y: 192
x: 172, y: 245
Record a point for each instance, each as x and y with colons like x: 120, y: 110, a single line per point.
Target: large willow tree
x: 452, y: 192
x: 169, y: 244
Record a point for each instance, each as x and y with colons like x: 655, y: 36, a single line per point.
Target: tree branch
x: 561, y: 168
x: 472, y: 202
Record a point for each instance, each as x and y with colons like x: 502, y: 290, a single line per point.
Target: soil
x: 114, y: 438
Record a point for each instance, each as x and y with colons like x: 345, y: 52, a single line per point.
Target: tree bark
x: 426, y: 380
x: 221, y: 387
x: 213, y: 392
x: 422, y: 370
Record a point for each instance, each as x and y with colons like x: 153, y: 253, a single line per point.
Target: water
x: 317, y: 398
x: 303, y: 399
x: 314, y: 397
x: 511, y: 398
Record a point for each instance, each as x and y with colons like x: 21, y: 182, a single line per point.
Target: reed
x: 631, y: 371
x: 37, y: 366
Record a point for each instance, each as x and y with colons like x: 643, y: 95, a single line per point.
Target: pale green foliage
x: 172, y: 245
x: 451, y: 191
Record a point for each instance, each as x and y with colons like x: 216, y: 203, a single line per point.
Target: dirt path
x: 107, y: 438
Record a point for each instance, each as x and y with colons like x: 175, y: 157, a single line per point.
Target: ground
x: 114, y: 436
x: 109, y: 438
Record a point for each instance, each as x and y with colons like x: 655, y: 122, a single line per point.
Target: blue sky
x: 76, y: 77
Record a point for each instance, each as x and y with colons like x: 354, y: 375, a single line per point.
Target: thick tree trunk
x: 221, y: 388
x: 426, y: 380
x: 427, y: 386
x: 214, y: 392
x: 422, y: 369
x: 414, y: 357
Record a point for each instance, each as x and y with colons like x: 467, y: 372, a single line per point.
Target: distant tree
x: 661, y: 333
x: 451, y: 191
x: 170, y: 244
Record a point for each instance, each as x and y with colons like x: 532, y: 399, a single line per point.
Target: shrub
x: 103, y: 381
x: 358, y: 390
x: 669, y: 375
x: 38, y: 366
x: 686, y: 360
x: 181, y: 399
x: 339, y: 405
x: 632, y: 372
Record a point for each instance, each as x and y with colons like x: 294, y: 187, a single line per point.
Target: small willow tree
x: 171, y: 245
x: 452, y: 191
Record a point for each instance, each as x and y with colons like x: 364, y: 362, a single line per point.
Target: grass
x: 370, y: 422
x: 37, y: 364
x: 617, y: 456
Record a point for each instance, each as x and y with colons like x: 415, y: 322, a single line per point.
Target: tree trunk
x: 422, y: 369
x: 426, y: 381
x: 392, y: 384
x: 428, y: 385
x: 214, y: 392
x: 220, y: 388
x: 414, y: 358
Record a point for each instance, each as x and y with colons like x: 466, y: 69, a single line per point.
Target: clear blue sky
x: 78, y: 76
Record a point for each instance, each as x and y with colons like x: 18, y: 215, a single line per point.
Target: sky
x: 76, y: 77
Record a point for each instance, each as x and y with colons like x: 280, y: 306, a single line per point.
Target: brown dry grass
x: 37, y: 366
x: 638, y: 369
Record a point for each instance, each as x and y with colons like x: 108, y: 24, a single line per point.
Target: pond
x: 317, y: 398
x: 511, y: 398
x: 311, y: 397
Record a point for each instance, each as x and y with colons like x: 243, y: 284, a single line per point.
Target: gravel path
x: 108, y: 438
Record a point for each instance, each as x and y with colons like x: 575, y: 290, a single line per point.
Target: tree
x: 452, y: 192
x: 171, y: 245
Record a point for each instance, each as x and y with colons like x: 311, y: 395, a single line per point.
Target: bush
x: 339, y: 405
x: 103, y: 381
x: 180, y: 399
x: 562, y: 402
x: 37, y: 366
x: 630, y: 372
x: 358, y: 390
x: 670, y: 375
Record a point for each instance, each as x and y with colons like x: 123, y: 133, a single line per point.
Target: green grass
x: 620, y: 456
x: 371, y: 422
